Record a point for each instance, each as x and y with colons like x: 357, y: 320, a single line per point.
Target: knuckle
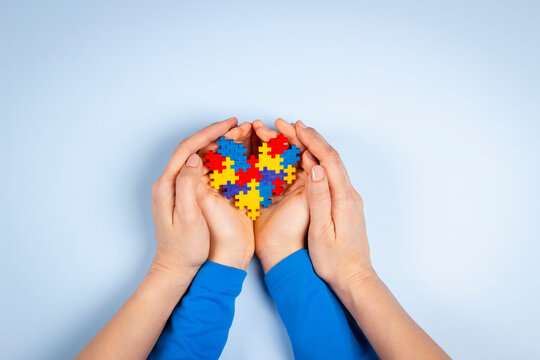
x: 346, y: 199
x: 185, y: 215
x: 332, y: 155
x: 359, y: 200
x: 156, y: 189
x: 183, y: 180
x: 327, y: 228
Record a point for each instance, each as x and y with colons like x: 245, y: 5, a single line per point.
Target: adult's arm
x: 183, y: 243
x: 339, y: 250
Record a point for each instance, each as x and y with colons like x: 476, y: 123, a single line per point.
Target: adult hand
x: 281, y: 228
x: 231, y: 230
x: 337, y: 239
x: 182, y: 233
x: 339, y: 251
x: 182, y: 237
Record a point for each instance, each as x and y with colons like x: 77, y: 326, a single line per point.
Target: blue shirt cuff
x: 294, y: 265
x: 219, y: 277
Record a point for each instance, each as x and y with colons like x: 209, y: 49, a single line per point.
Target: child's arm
x: 314, y: 319
x: 182, y: 247
x: 199, y: 326
x: 339, y: 250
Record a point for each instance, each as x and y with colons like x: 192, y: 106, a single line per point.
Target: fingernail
x: 299, y: 122
x: 193, y: 160
x: 317, y: 173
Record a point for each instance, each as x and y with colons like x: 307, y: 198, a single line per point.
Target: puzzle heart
x: 252, y: 181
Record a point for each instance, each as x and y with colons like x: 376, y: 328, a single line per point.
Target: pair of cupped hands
x: 320, y: 210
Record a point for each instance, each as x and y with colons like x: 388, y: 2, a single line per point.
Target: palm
x: 286, y: 219
x: 223, y: 218
x: 231, y: 231
x: 282, y: 227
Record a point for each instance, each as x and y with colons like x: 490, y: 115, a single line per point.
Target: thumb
x: 320, y: 204
x: 187, y: 181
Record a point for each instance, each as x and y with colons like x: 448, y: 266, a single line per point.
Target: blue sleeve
x: 199, y: 325
x: 315, y: 320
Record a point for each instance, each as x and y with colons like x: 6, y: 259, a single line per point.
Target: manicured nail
x: 317, y: 173
x: 193, y: 160
x: 299, y: 122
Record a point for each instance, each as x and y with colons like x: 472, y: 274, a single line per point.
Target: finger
x: 264, y: 133
x: 290, y: 133
x: 187, y: 181
x: 328, y: 157
x: 194, y: 143
x: 308, y: 161
x: 163, y: 191
x: 241, y: 133
x: 320, y: 205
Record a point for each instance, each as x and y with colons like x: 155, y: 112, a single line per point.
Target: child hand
x: 337, y: 239
x: 281, y: 228
x: 231, y: 231
x: 182, y: 233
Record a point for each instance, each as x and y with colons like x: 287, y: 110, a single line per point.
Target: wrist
x: 164, y: 285
x: 270, y: 256
x: 239, y: 261
x: 346, y: 284
x: 173, y: 270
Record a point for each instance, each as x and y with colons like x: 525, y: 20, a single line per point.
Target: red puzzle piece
x: 278, y: 188
x: 214, y: 161
x: 278, y: 145
x: 252, y: 173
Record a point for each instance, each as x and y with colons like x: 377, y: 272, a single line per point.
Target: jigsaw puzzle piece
x: 265, y: 191
x: 267, y: 161
x: 250, y: 200
x: 230, y: 190
x: 218, y: 179
x: 291, y: 156
x: 289, y: 177
x: 278, y: 145
x: 214, y: 161
x: 278, y: 186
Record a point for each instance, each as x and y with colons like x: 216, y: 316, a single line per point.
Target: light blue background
x: 434, y: 107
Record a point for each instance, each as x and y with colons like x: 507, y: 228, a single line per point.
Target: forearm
x: 388, y: 327
x: 314, y: 319
x: 134, y: 329
x: 199, y: 325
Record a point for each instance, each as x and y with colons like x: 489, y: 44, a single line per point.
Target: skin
x: 187, y: 215
x: 282, y: 227
x: 231, y: 230
x: 194, y: 222
x: 339, y: 250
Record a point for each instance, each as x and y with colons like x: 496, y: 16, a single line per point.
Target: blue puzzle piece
x: 268, y: 175
x: 225, y: 147
x: 230, y: 190
x: 291, y: 156
x: 228, y: 148
x: 265, y: 191
x: 240, y: 163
